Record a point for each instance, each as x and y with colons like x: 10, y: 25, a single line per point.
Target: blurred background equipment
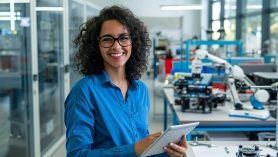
x: 257, y: 109
x: 195, y: 94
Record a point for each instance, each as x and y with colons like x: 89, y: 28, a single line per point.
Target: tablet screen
x: 172, y: 134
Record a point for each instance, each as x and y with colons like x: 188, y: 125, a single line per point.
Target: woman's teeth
x: 117, y: 55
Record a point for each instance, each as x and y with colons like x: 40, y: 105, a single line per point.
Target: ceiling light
x: 182, y: 7
x: 254, y: 6
x: 247, y: 7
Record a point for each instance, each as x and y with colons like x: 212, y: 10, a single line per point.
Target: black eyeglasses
x: 107, y: 41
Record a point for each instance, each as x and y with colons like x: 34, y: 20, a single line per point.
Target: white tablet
x: 172, y: 134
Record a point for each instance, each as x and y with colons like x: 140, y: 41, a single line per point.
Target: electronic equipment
x: 273, y: 113
x: 248, y: 152
x: 195, y: 94
x: 251, y: 152
x: 234, y: 73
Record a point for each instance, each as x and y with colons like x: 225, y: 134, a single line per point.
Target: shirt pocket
x: 143, y: 114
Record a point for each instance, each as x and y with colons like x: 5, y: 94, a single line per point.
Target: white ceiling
x: 148, y: 8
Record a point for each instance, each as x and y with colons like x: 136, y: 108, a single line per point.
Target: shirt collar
x: 102, y: 78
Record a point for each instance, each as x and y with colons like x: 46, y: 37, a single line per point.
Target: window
x: 273, y: 38
x: 216, y: 10
x: 215, y: 28
x: 273, y: 4
x: 251, y: 34
x: 230, y: 8
x: 252, y: 6
x: 230, y: 29
x: 49, y: 3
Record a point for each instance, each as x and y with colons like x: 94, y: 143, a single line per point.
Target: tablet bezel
x: 171, y: 129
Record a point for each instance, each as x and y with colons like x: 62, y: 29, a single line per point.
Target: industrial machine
x: 247, y: 151
x: 233, y: 72
x: 195, y: 93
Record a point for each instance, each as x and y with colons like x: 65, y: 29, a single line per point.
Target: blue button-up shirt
x: 100, y: 122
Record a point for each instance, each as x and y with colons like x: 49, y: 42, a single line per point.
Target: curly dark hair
x: 88, y: 58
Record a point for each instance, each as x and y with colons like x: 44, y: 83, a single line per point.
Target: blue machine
x: 195, y: 93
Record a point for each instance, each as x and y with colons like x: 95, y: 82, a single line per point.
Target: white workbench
x: 218, y: 120
x: 219, y: 151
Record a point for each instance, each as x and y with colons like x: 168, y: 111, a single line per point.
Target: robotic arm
x: 233, y: 72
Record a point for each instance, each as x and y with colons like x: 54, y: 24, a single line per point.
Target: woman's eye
x: 124, y: 38
x: 107, y: 39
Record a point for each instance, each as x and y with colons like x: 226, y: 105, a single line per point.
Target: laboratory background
x: 211, y: 61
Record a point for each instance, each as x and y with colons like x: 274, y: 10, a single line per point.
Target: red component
x: 168, y: 65
x: 218, y: 85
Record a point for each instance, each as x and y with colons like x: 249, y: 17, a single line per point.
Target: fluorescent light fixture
x: 229, y: 7
x: 247, y: 7
x: 7, y: 18
x: 5, y: 13
x: 254, y: 6
x: 182, y: 7
x: 16, y: 1
x: 49, y: 8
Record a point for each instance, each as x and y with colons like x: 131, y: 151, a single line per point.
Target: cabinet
x: 32, y: 78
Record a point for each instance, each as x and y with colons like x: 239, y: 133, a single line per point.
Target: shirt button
x: 132, y: 116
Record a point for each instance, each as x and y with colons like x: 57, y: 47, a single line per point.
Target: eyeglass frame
x: 131, y: 37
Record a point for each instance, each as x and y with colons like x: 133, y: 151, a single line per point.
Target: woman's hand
x: 178, y: 149
x: 142, y: 145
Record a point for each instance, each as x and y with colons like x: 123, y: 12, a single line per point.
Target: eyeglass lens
x: 109, y: 41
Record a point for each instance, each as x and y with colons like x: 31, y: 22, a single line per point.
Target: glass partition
x: 251, y: 35
x: 230, y: 8
x: 273, y: 37
x: 216, y: 9
x: 15, y: 80
x: 252, y: 6
x: 51, y: 76
x: 215, y: 28
x: 49, y: 3
x: 230, y: 29
x: 91, y: 12
x: 76, y: 18
x: 273, y: 4
x: 77, y: 15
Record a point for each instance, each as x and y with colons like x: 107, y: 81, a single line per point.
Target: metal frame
x: 204, y: 42
x: 64, y: 64
x: 238, y: 20
x: 36, y: 148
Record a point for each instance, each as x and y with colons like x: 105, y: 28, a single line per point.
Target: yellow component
x: 15, y: 31
x: 3, y: 52
x: 176, y: 76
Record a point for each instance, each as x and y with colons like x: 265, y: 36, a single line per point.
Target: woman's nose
x: 116, y: 45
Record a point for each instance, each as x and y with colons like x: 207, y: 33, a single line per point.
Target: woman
x: 106, y: 112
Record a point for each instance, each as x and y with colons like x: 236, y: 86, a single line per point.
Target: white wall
x: 169, y: 27
x: 191, y: 24
x: 147, y: 8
